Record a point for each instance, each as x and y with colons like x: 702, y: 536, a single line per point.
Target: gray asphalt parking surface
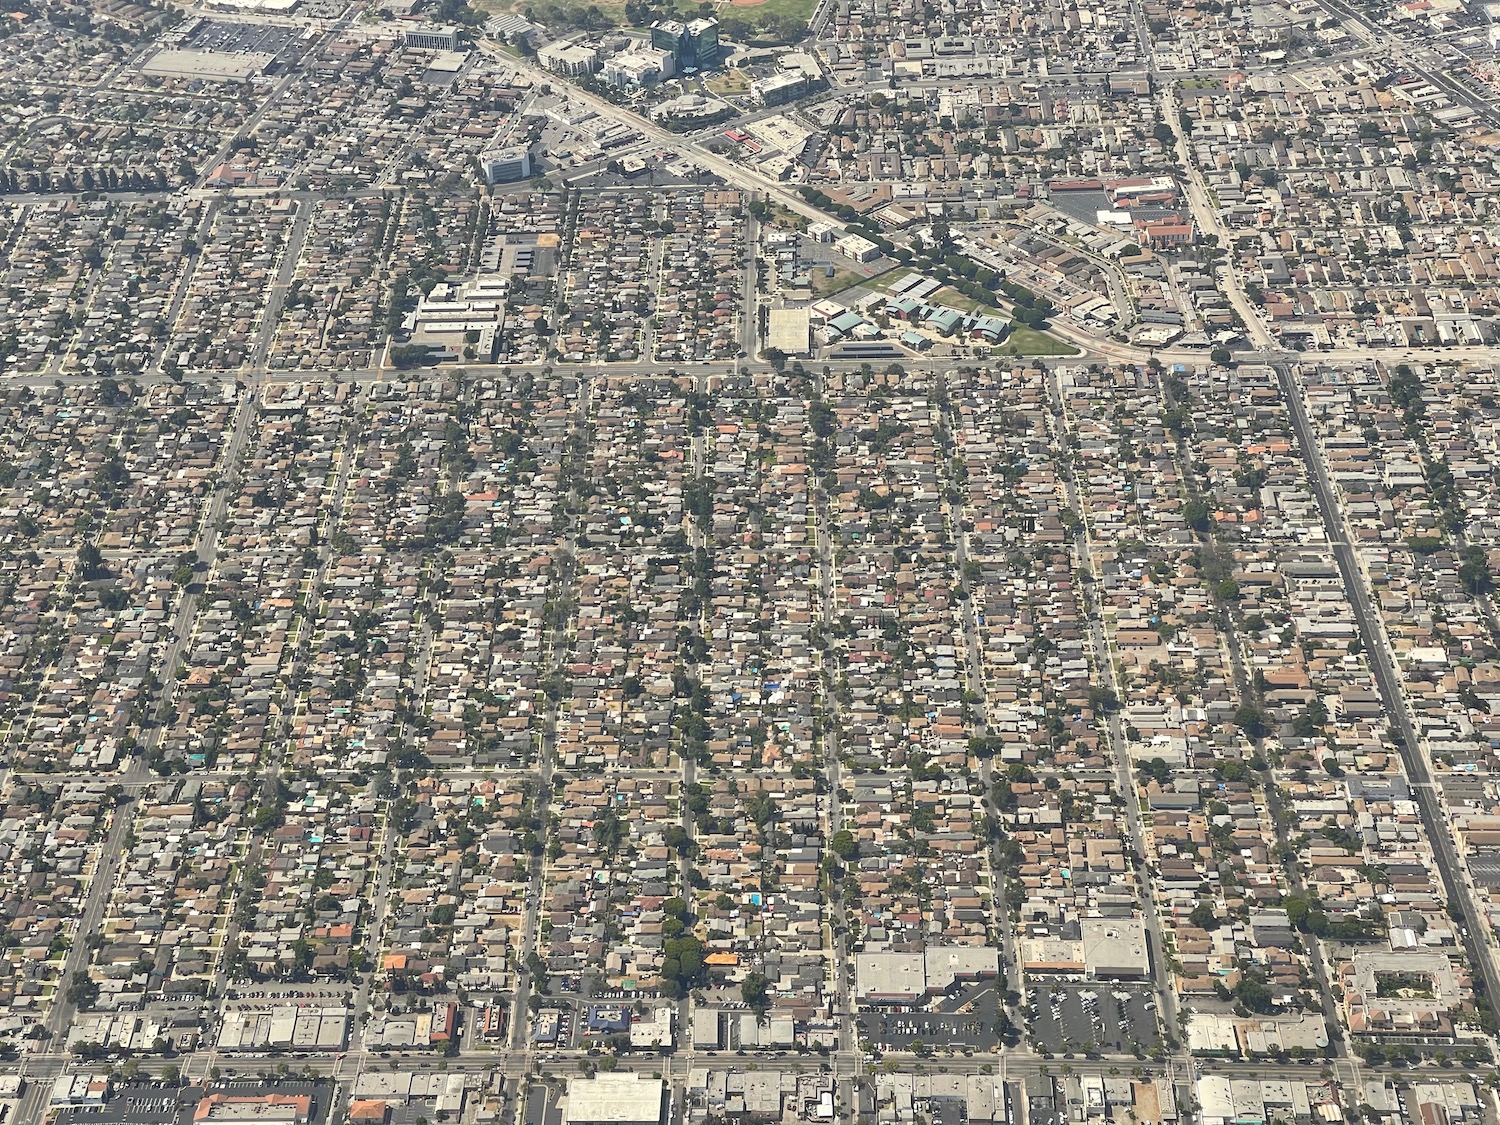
x: 1112, y: 1018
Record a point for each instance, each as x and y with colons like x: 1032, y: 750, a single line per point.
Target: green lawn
x: 951, y: 297
x: 846, y: 279
x: 1024, y: 341
x: 796, y: 9
x: 825, y: 286
x: 568, y: 13
x: 734, y: 81
x: 786, y: 219
x: 614, y: 10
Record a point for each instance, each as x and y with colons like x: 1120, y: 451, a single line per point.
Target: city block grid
x: 869, y: 562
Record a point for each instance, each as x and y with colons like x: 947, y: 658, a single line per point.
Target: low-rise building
x: 907, y: 978
x: 858, y: 247
x: 620, y: 1098
x: 266, y: 1109
x: 1116, y: 949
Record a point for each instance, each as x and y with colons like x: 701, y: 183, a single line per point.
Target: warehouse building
x: 617, y: 1098
x: 1116, y: 949
x: 208, y: 66
x: 910, y: 978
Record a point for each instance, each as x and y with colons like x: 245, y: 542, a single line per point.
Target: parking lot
x: 158, y: 1103
x: 1042, y: 1110
x: 237, y: 38
x: 541, y: 1105
x: 274, y: 995
x: 964, y: 1021
x: 142, y: 1104
x: 1110, y: 1018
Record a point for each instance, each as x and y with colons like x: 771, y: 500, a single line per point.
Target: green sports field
x: 1024, y: 341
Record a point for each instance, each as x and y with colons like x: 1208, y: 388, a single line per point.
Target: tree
x: 1253, y: 994
x: 410, y: 355
x: 675, y: 837
x: 1204, y: 916
x: 821, y: 418
x: 182, y: 573
x: 1221, y: 355
x: 1103, y: 699
x: 1296, y: 908
x: 91, y: 562
x: 1311, y: 719
x: 609, y: 832
x: 1251, y: 720
x: 1156, y: 769
x: 1474, y: 571
x: 761, y: 809
x: 844, y: 845
x: 682, y: 964
x: 83, y: 991
x: 109, y: 391
x: 754, y: 992
x: 1197, y: 515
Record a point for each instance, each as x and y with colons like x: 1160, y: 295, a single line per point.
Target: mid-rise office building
x: 445, y: 38
x: 639, y: 66
x: 692, y: 45
x: 505, y: 165
x: 569, y: 59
